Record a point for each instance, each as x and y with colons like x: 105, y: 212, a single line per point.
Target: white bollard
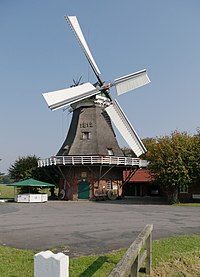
x: 46, y: 263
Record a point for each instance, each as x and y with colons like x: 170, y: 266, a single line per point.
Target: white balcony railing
x: 92, y: 160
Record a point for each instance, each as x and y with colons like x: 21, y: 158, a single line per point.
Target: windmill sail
x: 124, y: 126
x: 131, y: 81
x: 73, y: 22
x: 60, y: 98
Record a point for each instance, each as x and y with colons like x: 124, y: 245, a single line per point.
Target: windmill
x: 91, y: 133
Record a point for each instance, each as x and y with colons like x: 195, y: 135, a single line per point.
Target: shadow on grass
x: 94, y: 267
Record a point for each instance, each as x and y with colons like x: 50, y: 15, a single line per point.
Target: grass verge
x: 188, y: 204
x: 172, y: 257
x: 6, y: 192
x: 15, y: 262
x: 177, y: 257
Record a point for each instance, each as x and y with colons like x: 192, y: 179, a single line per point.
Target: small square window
x: 183, y: 189
x: 86, y: 135
x: 83, y: 174
x: 110, y: 152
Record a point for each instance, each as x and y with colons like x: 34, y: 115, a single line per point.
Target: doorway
x: 133, y: 190
x: 83, y: 190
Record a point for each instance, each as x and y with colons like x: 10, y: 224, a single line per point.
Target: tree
x: 27, y: 167
x: 195, y: 161
x: 1, y: 175
x: 23, y: 168
x: 4, y: 179
x: 172, y: 160
x: 128, y: 152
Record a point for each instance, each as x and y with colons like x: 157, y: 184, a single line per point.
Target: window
x: 110, y: 152
x: 183, y: 189
x: 86, y: 135
x: 83, y: 174
x: 109, y: 184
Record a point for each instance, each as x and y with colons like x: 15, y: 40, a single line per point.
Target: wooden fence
x: 139, y: 252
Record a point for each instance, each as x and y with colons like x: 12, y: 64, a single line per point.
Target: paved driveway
x: 90, y: 227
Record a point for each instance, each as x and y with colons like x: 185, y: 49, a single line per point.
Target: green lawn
x: 15, y: 262
x: 172, y: 257
x: 188, y: 204
x: 177, y: 256
x: 6, y: 192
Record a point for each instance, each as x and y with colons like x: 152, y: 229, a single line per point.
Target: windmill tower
x: 90, y: 160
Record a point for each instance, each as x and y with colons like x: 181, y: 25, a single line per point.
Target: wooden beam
x: 130, y: 262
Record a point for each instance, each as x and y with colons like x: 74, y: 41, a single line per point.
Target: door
x: 133, y: 189
x: 83, y: 190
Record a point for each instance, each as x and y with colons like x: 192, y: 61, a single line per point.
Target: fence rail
x: 134, y: 257
x: 92, y: 160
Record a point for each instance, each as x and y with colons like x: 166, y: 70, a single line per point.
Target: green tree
x: 195, y: 158
x: 23, y: 168
x: 128, y: 152
x: 172, y: 159
x: 1, y: 175
x: 4, y: 179
x: 27, y: 167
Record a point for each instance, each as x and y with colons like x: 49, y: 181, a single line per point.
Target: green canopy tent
x: 30, y: 183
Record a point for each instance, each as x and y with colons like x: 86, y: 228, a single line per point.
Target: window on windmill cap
x: 86, y: 135
x: 110, y: 152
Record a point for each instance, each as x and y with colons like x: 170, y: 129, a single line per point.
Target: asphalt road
x: 84, y: 227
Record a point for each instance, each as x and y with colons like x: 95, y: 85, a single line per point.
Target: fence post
x: 49, y: 264
x: 149, y: 254
x: 134, y: 257
x: 134, y: 268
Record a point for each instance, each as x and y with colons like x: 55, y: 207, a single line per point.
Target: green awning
x: 31, y: 183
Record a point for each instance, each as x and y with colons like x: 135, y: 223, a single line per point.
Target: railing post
x: 134, y: 268
x: 133, y: 259
x: 149, y: 254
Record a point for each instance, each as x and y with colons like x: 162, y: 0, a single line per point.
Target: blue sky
x: 39, y: 53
